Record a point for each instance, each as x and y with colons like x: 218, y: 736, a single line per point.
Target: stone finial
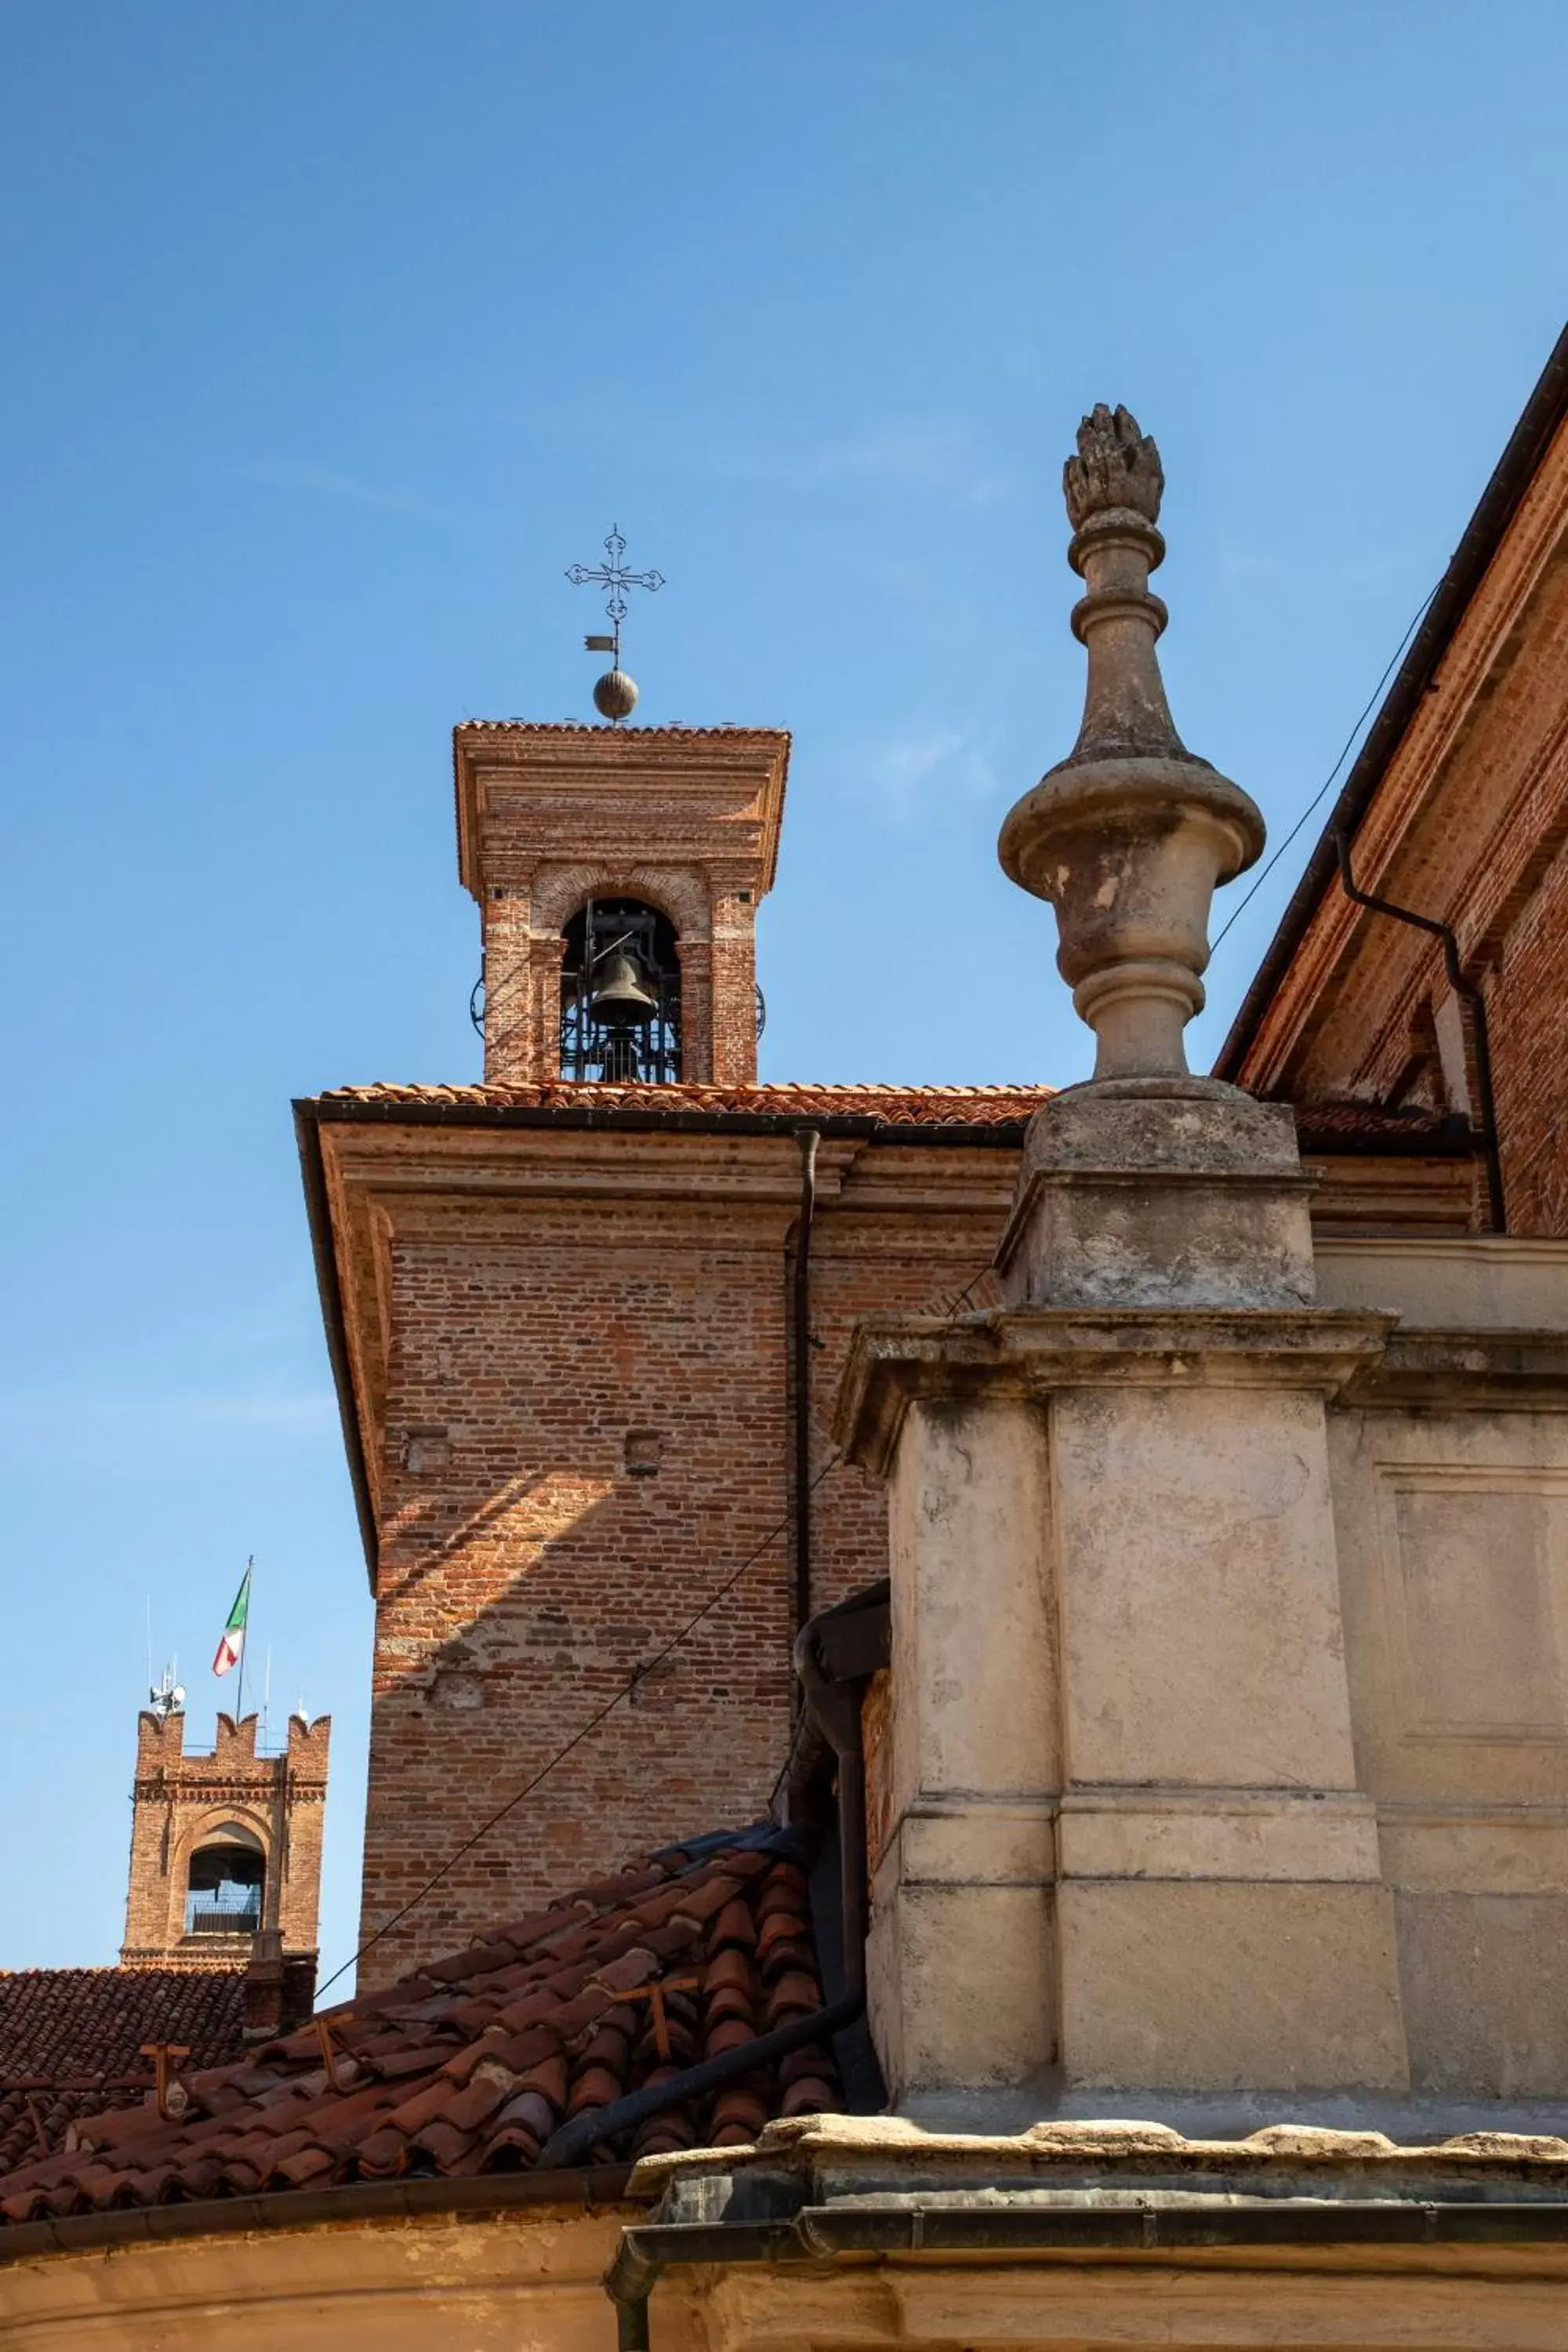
x: 1129, y: 835
x: 1116, y: 466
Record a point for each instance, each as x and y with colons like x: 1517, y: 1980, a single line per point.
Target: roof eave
x: 1543, y: 413
x: 863, y: 1125
x: 319, y: 1213
x: 776, y: 740
x: 590, y: 2189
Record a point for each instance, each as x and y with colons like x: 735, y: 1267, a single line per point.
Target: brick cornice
x: 1504, y: 504
x: 1467, y: 816
x: 709, y: 785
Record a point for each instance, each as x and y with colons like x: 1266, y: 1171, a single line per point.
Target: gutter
x: 1085, y: 2221
x: 1515, y: 468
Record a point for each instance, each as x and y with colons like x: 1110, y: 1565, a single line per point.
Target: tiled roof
x: 70, y: 2043
x: 1321, y: 1127
x: 895, y: 1106
x: 587, y: 727
x: 468, y: 2066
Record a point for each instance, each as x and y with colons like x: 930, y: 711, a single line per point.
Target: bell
x: 620, y: 997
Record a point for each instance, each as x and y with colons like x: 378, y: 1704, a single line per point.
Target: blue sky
x: 335, y: 333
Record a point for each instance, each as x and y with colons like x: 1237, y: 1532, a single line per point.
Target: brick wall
x: 546, y: 816
x: 1527, y: 1012
x: 525, y: 1569
x: 1466, y: 821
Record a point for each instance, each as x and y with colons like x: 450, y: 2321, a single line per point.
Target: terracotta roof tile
x: 619, y: 734
x: 1322, y: 1126
x: 890, y: 1106
x: 71, y: 2043
x: 436, y: 2075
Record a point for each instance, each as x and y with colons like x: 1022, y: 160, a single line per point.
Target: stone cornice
x: 1028, y: 1353
x: 839, y: 2155
x: 1467, y: 1370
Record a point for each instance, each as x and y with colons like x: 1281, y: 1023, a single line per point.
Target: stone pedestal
x: 963, y: 1943
x: 1125, y: 1836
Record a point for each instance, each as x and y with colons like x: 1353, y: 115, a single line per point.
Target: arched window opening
x: 620, y: 995
x: 224, y: 1893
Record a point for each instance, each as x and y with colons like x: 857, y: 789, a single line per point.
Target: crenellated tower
x: 226, y: 1847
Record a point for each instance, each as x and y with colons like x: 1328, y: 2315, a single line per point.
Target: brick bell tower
x: 225, y: 1849
x: 617, y: 875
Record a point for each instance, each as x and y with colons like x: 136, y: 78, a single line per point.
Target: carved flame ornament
x: 1130, y: 834
x: 1116, y: 466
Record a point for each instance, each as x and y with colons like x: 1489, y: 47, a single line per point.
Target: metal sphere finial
x: 614, y: 695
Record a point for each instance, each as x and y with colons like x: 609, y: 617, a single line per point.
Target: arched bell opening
x: 226, y: 1883
x: 620, y: 995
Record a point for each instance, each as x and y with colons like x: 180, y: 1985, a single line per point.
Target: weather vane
x: 614, y: 693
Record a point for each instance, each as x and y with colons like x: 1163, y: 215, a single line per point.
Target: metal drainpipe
x: 1471, y: 994
x: 840, y: 1720
x: 808, y: 1138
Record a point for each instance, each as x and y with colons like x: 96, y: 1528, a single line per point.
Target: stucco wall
x: 1451, y: 1518
x: 526, y: 2281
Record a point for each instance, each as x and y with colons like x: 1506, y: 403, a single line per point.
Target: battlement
x: 161, y: 1743
x: 309, y: 1743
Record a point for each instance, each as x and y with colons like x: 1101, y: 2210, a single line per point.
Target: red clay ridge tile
x: 530, y: 2111
x: 596, y: 2087
x: 795, y: 1994
x: 382, y: 2153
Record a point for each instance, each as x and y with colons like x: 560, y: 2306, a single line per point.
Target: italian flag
x: 232, y: 1647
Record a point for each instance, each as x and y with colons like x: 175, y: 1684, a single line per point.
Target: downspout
x: 839, y: 1721
x: 808, y: 1138
x: 1468, y: 994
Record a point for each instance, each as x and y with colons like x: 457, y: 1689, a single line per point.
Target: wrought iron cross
x: 614, y: 576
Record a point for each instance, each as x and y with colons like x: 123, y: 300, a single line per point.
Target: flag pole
x: 245, y: 1644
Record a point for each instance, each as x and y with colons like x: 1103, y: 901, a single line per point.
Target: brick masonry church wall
x: 1526, y: 1007
x: 525, y: 1573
